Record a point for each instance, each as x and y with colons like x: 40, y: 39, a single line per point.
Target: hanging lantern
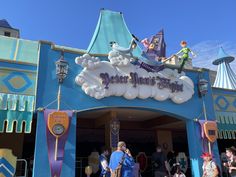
x: 61, y: 68
x: 203, y: 87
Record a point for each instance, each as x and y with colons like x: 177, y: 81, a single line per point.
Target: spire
x: 162, y: 48
x: 225, y: 77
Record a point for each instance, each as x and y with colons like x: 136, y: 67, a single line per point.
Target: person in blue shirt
x: 103, y: 162
x: 128, y: 162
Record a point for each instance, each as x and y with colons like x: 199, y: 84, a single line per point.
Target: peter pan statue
x: 185, y: 54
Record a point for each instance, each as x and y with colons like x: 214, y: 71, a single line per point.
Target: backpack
x: 117, y: 171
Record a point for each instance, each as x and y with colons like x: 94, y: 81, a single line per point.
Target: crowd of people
x: 228, y: 165
x: 121, y: 163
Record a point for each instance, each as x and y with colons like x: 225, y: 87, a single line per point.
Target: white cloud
x: 131, y: 81
x: 117, y: 59
x: 207, y: 52
x: 86, y: 61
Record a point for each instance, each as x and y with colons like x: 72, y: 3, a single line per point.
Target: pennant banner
x: 57, y: 128
x: 201, y: 122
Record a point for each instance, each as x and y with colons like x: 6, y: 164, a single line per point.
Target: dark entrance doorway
x: 142, y: 130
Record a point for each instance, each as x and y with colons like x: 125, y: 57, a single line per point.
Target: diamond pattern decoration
x: 222, y: 103
x: 17, y: 82
x: 234, y: 103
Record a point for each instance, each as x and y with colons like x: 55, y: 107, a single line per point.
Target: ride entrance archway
x: 141, y: 129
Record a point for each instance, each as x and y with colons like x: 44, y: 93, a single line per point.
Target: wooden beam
x: 104, y: 119
x: 162, y: 120
x: 85, y: 123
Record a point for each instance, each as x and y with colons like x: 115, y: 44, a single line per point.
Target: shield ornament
x: 58, y: 123
x: 210, y: 130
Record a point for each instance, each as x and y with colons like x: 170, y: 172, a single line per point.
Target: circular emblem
x: 58, y: 129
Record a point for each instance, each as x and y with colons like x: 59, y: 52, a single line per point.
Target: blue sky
x: 205, y: 24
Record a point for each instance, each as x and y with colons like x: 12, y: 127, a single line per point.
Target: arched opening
x: 142, y: 130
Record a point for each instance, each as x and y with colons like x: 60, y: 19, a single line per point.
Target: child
x: 178, y: 172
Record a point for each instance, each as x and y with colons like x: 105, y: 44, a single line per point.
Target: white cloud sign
x: 119, y: 77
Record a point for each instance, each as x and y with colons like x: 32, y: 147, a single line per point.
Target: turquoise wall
x: 75, y: 99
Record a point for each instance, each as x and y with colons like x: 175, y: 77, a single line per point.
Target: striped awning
x: 16, y: 110
x: 226, y: 122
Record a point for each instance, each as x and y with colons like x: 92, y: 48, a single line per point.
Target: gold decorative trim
x: 17, y: 62
x: 17, y: 94
x: 224, y: 95
x: 217, y: 88
x: 22, y: 70
x: 60, y: 48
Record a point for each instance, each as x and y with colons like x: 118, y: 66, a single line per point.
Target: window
x: 6, y: 33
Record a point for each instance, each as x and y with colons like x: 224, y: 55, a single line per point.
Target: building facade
x: 109, y: 93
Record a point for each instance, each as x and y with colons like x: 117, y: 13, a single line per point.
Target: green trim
x: 226, y: 122
x: 16, y: 110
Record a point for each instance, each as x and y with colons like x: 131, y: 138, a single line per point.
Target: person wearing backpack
x: 121, y: 161
x: 209, y: 167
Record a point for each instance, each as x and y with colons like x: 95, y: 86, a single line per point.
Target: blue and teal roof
x: 225, y: 77
x: 111, y: 26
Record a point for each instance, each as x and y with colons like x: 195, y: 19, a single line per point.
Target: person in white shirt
x: 178, y: 172
x: 209, y: 166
